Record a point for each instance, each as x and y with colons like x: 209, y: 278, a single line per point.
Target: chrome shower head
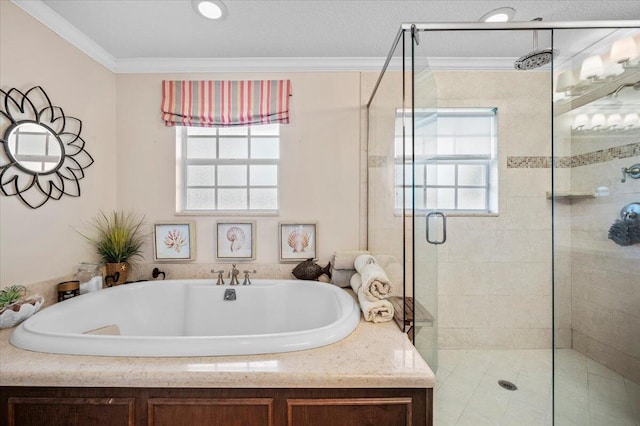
x: 537, y: 57
x: 534, y: 59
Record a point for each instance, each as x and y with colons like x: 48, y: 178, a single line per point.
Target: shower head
x: 537, y: 57
x: 534, y: 59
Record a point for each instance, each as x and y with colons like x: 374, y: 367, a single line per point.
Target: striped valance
x: 225, y: 103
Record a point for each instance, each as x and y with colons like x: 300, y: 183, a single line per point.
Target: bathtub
x: 193, y: 318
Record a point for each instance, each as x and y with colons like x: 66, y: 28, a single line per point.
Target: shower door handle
x: 444, y: 227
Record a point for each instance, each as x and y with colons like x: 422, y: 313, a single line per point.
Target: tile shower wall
x: 605, y: 288
x: 494, y: 272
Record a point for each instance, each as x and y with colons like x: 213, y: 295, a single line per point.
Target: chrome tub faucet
x: 247, y: 281
x: 220, y: 276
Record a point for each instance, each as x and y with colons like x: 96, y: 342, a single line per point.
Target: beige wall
x: 319, y: 165
x: 40, y: 244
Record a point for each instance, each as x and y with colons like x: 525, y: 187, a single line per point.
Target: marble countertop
x: 374, y: 355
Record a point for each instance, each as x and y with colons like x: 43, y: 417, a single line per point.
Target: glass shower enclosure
x: 513, y: 198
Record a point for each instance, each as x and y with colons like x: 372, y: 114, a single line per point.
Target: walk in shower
x: 513, y: 197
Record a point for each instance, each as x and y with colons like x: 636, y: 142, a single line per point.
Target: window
x: 455, y: 156
x: 228, y: 168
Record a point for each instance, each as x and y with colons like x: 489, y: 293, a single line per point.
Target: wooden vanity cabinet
x: 35, y: 406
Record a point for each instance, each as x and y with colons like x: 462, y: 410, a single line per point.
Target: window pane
x: 471, y: 175
x: 263, y: 175
x: 473, y: 146
x: 472, y: 199
x: 234, y: 148
x: 446, y: 145
x: 266, y: 130
x: 263, y: 199
x: 232, y: 175
x: 233, y: 130
x: 201, y: 175
x: 201, y: 148
x: 201, y: 130
x: 446, y: 174
x: 432, y: 176
x: 232, y: 199
x: 446, y: 198
x: 473, y: 125
x: 265, y: 148
x: 432, y: 198
x: 419, y: 174
x: 201, y: 199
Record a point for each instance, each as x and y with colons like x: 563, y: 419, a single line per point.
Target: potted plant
x: 118, y: 241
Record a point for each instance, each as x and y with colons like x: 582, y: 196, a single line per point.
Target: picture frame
x: 236, y: 240
x: 298, y: 241
x: 174, y: 241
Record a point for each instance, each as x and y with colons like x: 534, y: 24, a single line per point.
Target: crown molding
x: 67, y: 31
x: 77, y: 38
x: 206, y: 65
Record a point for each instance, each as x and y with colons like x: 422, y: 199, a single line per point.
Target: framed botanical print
x: 174, y: 241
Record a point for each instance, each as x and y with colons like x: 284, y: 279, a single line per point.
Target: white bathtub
x: 190, y: 318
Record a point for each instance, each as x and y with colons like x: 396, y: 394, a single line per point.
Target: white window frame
x: 488, y: 161
x: 182, y: 163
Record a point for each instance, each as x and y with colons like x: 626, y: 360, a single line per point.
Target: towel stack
x: 372, y: 285
x: 343, y: 266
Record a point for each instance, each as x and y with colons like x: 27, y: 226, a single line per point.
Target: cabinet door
x: 349, y: 412
x: 210, y: 411
x: 31, y: 411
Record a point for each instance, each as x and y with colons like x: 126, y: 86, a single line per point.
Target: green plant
x: 118, y: 236
x: 12, y: 294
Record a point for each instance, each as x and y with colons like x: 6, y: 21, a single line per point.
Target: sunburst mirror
x: 43, y: 156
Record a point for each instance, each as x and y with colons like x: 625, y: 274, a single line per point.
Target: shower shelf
x: 570, y: 195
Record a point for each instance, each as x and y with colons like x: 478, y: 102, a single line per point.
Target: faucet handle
x: 246, y: 272
x: 220, y: 276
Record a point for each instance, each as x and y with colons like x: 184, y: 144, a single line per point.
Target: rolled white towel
x: 356, y: 282
x: 394, y: 270
x: 345, y: 259
x: 375, y: 283
x: 375, y: 311
x: 363, y: 260
x: 379, y: 310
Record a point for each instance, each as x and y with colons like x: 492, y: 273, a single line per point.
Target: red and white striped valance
x: 225, y: 103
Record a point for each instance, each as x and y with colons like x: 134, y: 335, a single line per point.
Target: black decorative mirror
x: 43, y: 156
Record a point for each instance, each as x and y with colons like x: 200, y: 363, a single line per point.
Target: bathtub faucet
x: 247, y: 281
x: 234, y: 275
x: 220, y: 278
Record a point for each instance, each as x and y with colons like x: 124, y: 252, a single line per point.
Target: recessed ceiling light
x: 211, y: 9
x: 502, y: 14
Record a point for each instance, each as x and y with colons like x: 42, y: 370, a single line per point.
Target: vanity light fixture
x: 210, y: 9
x: 592, y: 68
x: 598, y: 121
x: 614, y: 121
x: 580, y: 121
x: 624, y: 50
x: 502, y: 14
x: 631, y: 120
x: 566, y: 81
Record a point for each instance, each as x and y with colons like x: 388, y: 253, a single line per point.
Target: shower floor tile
x: 467, y: 391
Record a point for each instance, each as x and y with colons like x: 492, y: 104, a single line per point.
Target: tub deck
x: 373, y: 356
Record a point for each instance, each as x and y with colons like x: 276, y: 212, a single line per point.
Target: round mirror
x: 34, y: 147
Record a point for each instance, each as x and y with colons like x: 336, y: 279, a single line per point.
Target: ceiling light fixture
x: 502, y: 14
x: 210, y: 9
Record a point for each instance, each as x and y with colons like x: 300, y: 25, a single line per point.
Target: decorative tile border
x: 542, y: 162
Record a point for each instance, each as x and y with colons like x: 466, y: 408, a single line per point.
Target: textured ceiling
x: 307, y: 28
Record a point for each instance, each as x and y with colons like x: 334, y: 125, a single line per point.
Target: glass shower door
x: 426, y: 226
